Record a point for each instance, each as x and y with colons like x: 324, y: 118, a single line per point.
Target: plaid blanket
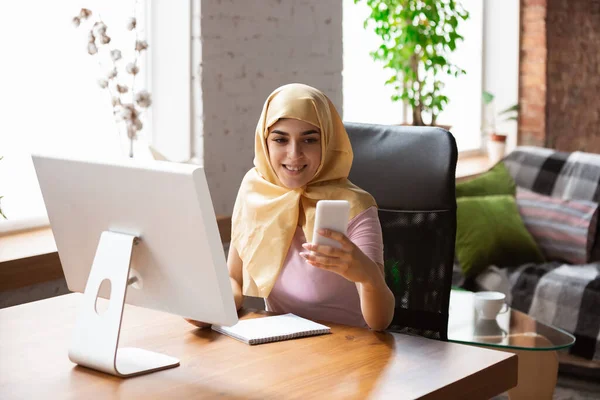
x: 563, y: 175
x: 565, y: 296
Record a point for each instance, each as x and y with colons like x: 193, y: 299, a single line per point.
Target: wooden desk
x: 349, y: 363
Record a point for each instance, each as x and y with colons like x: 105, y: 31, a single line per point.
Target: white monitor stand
x: 149, y: 230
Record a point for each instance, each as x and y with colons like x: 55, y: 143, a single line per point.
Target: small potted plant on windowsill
x: 496, y: 141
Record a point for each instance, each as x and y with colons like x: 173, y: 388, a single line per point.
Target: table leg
x: 538, y: 372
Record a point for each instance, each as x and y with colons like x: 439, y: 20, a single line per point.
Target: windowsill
x: 25, y: 244
x: 19, y: 225
x: 29, y: 257
x: 471, y: 165
x: 37, y: 244
x: 38, y: 241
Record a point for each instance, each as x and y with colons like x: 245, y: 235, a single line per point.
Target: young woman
x: 303, y: 155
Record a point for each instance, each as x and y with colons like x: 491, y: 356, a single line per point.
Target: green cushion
x: 490, y: 231
x: 495, y: 181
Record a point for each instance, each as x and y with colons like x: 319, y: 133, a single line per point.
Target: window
x: 367, y: 99
x: 50, y: 98
x: 171, y: 76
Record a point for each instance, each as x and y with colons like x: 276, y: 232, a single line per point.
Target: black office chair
x: 411, y: 171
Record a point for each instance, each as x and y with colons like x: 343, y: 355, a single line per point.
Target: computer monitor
x: 149, y: 229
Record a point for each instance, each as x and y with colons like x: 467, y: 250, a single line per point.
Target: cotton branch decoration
x: 128, y: 104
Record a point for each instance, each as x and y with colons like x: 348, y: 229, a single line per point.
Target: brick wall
x: 248, y: 48
x: 573, y: 116
x: 532, y: 73
x: 559, y: 74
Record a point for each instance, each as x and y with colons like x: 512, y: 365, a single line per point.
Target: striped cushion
x: 563, y: 229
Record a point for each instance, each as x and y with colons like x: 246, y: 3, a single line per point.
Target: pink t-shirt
x: 317, y: 294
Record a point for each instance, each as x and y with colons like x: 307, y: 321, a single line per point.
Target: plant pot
x: 496, y: 147
x: 497, y: 137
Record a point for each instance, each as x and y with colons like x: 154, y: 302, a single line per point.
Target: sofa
x: 565, y: 294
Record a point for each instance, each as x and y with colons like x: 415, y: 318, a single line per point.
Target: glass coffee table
x: 534, y: 342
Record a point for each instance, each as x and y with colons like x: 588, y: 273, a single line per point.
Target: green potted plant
x: 416, y: 38
x: 496, y: 143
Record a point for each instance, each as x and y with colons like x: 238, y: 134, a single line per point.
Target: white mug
x: 490, y: 304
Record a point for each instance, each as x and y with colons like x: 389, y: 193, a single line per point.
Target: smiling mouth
x: 294, y: 169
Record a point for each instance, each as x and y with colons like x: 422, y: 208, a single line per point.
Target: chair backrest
x: 411, y: 173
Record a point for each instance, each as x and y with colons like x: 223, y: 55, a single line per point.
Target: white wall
x: 501, y: 59
x: 249, y: 48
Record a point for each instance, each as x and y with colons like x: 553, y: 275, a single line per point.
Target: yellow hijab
x: 266, y: 213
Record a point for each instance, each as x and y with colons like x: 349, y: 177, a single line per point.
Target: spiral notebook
x: 272, y: 329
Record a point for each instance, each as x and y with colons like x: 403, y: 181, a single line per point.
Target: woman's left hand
x: 348, y: 261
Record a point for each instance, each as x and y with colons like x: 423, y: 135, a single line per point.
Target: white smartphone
x: 333, y: 215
